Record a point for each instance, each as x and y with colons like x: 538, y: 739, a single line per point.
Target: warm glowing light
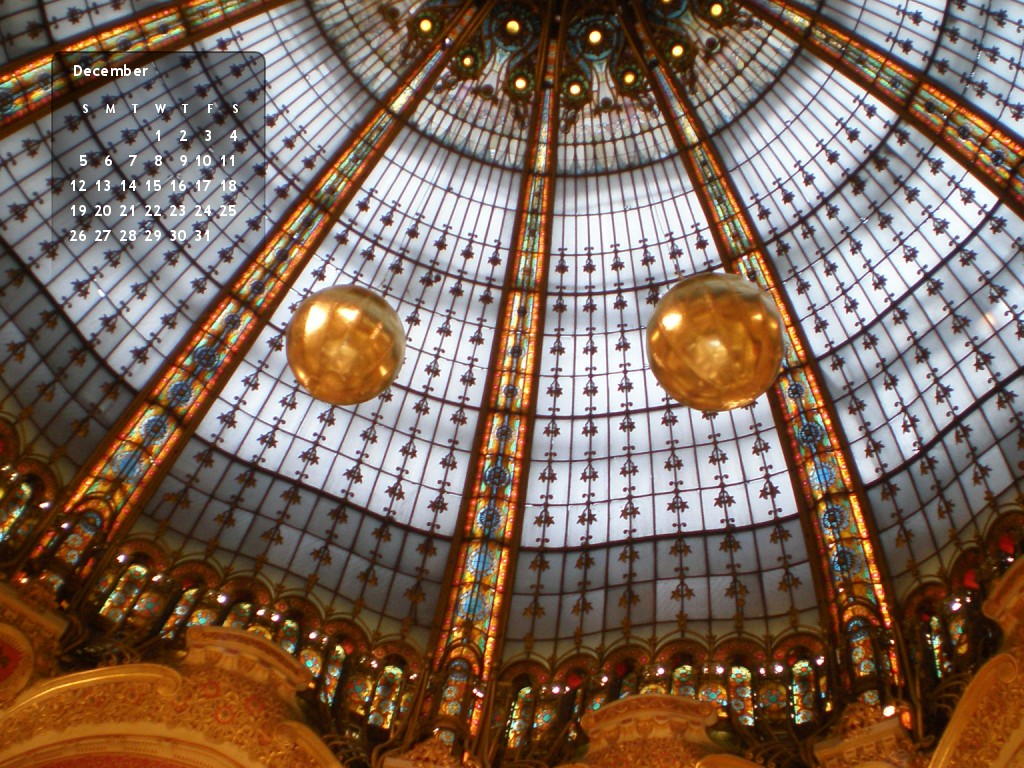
x: 595, y: 36
x: 520, y: 83
x: 317, y: 319
x: 889, y: 711
x: 671, y: 320
x: 716, y: 10
x: 345, y: 345
x: 629, y: 78
x: 512, y: 27
x: 677, y: 50
x: 575, y: 89
x: 715, y: 342
x: 426, y: 25
x: 467, y: 61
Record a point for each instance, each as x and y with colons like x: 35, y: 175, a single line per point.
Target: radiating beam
x: 989, y: 151
x: 38, y: 83
x: 491, y: 513
x: 853, y: 579
x: 135, y: 456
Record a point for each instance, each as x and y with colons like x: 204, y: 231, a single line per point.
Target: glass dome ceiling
x: 890, y: 230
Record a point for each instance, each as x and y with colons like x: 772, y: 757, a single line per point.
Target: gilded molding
x: 864, y: 735
x: 17, y: 662
x: 987, y: 729
x: 429, y: 753
x: 42, y: 627
x: 650, y: 731
x: 232, y: 690
x: 1005, y: 605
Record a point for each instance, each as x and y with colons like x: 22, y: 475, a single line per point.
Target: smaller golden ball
x: 345, y: 345
x: 715, y: 342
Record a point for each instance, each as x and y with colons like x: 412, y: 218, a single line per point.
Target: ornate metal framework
x: 554, y: 82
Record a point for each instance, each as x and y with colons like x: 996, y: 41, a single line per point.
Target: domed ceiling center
x: 605, y: 99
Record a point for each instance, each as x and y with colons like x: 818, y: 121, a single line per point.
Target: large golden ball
x: 345, y: 345
x: 715, y: 342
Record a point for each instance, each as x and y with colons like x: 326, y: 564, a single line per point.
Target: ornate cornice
x: 233, y: 690
x: 987, y: 729
x: 650, y: 731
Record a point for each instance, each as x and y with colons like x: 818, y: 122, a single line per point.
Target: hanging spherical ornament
x: 715, y: 342
x: 345, y: 345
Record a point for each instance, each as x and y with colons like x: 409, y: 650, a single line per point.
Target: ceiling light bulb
x: 629, y: 78
x: 520, y: 83
x: 426, y: 25
x: 467, y: 61
x: 575, y: 89
x: 716, y: 10
x: 595, y: 36
x: 677, y: 50
x: 512, y: 27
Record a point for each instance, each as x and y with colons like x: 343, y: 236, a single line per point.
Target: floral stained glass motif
x: 958, y: 634
x: 938, y: 647
x: 520, y: 717
x: 453, y: 698
x: 148, y: 606
x: 13, y: 507
x: 386, y: 697
x: 182, y: 610
x: 122, y: 599
x: 802, y: 689
x: 862, y: 653
x: 311, y: 660
x: 741, y: 699
x: 335, y: 663
x: 683, y: 681
x: 78, y: 540
x: 715, y: 693
x: 544, y: 717
x: 239, y: 616
x: 358, y: 691
x: 288, y: 637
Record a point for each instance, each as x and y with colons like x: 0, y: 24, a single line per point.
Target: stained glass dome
x: 523, y: 181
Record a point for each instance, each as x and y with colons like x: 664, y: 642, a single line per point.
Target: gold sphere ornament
x: 345, y: 345
x: 715, y: 342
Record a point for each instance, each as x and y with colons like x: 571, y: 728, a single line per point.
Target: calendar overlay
x: 166, y: 154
